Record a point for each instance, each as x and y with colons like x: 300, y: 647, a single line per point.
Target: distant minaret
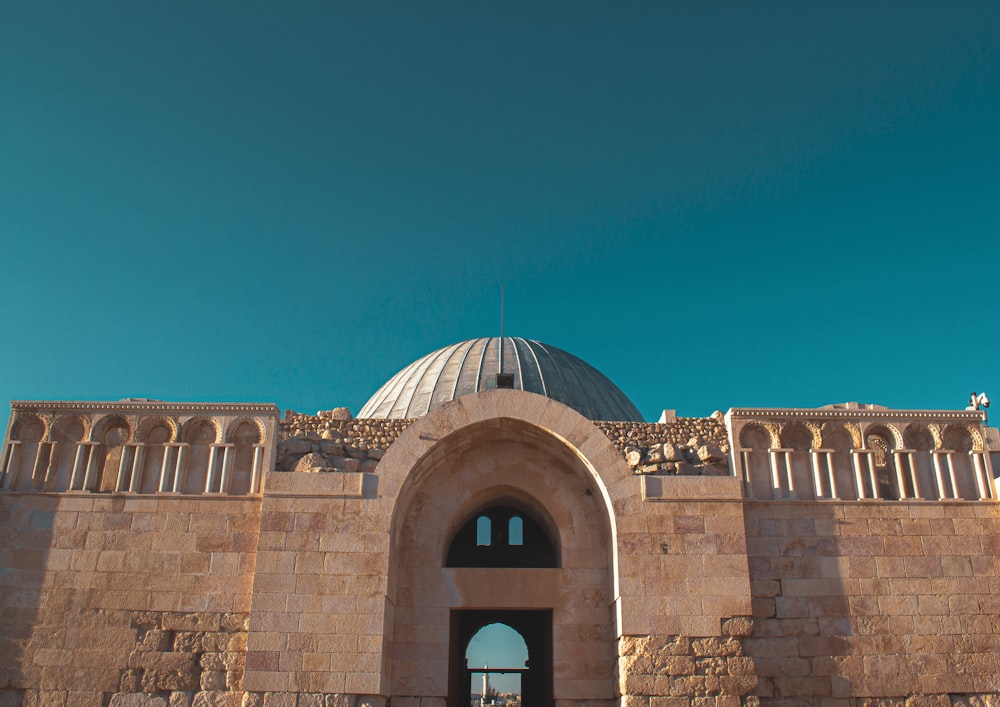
x: 486, y: 683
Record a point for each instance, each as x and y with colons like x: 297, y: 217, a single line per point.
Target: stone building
x: 222, y: 554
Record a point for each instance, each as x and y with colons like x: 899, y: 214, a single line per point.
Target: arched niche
x: 799, y: 439
x: 880, y: 442
x: 68, y: 431
x: 756, y: 442
x: 200, y: 433
x: 27, y: 431
x: 958, y: 442
x: 839, y: 442
x: 245, y: 435
x: 112, y: 433
x: 155, y: 433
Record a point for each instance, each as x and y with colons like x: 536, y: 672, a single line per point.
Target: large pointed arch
x: 514, y: 449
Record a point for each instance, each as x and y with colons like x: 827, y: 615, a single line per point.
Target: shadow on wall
x: 26, y: 526
x: 873, y: 599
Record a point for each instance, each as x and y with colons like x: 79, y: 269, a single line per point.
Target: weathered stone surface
x: 188, y: 641
x: 195, y: 621
x: 131, y: 680
x: 710, y: 453
x: 213, y: 680
x: 314, y: 461
x: 296, y: 445
x: 331, y: 448
x: 217, y: 699
x: 738, y: 627
x: 181, y: 698
x: 137, y: 699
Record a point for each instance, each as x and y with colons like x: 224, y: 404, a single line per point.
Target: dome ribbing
x: 472, y: 366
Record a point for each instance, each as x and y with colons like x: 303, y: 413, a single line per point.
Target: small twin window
x: 484, y: 530
x: 501, y: 536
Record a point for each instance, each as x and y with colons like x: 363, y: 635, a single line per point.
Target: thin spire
x: 500, y: 367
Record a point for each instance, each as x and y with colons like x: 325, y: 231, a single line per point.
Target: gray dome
x: 472, y: 366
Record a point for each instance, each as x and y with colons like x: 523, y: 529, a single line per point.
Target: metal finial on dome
x: 475, y: 365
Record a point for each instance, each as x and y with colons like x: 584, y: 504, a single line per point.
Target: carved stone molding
x: 978, y: 442
x: 937, y: 434
x: 774, y: 430
x: 817, y: 434
x: 39, y: 406
x: 255, y: 421
x: 854, y: 429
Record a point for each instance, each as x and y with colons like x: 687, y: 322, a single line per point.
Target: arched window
x: 484, y: 531
x: 502, y: 536
x: 515, y: 530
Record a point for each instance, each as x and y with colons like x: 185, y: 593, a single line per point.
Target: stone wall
x: 317, y: 613
x: 677, y: 671
x: 897, y: 600
x: 105, y: 596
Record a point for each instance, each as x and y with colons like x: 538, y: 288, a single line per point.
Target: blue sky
x: 716, y: 204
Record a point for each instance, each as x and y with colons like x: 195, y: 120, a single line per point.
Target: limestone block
x: 313, y: 461
x: 155, y: 640
x: 215, y: 641
x: 716, y: 647
x: 213, y: 680
x: 217, y: 699
x: 181, y: 698
x: 280, y: 699
x: 739, y: 627
x: 131, y: 680
x: 655, y: 454
x: 331, y: 448
x: 347, y: 464
x: 195, y: 621
x: 355, y: 452
x: 296, y: 445
x: 212, y: 661
x: 76, y: 698
x: 171, y: 675
x: 137, y: 699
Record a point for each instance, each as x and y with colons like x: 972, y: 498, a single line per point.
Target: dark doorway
x: 535, y: 627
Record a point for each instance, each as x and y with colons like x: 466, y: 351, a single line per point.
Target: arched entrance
x: 526, y: 501
x: 534, y: 626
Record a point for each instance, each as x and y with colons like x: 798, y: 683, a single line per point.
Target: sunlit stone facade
x: 179, y: 554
